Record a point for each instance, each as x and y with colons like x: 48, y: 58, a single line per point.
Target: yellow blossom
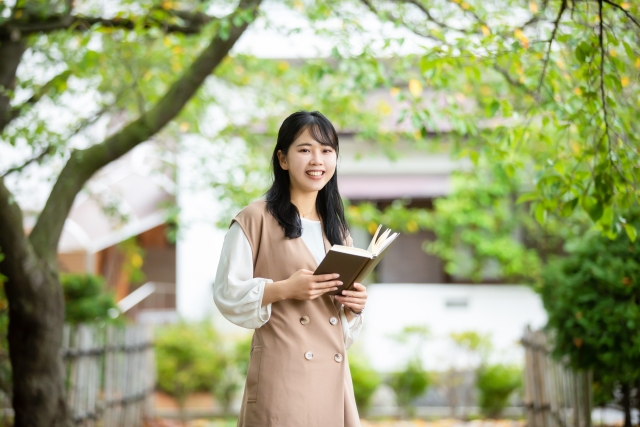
x: 533, y: 7
x: 394, y: 92
x: 283, y: 65
x: 577, y: 91
x: 624, y: 81
x: 384, y: 108
x: 523, y: 39
x: 136, y: 260
x: 415, y: 87
x: 485, y: 30
x: 184, y: 126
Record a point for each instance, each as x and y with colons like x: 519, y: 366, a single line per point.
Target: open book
x: 354, y: 264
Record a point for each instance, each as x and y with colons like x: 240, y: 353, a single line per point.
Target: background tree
x: 48, y: 32
x: 592, y: 300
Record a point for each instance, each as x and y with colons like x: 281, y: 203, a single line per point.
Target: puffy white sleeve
x: 351, y: 329
x: 236, y: 293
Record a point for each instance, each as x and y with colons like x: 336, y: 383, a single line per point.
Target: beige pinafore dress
x: 298, y: 373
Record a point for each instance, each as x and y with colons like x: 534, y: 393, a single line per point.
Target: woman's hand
x: 355, y: 298
x: 303, y: 285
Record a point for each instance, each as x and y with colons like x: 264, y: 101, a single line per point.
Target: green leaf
x: 595, y: 211
x: 628, y: 50
x: 631, y: 232
x: 540, y: 214
x: 493, y: 108
x: 527, y: 197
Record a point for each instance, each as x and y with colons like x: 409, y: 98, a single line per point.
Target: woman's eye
x: 304, y: 150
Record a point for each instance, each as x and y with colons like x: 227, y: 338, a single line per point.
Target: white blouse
x: 238, y: 295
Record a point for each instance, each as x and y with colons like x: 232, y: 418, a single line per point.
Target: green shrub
x: 495, y: 385
x: 234, y: 363
x: 409, y: 384
x: 86, y: 299
x: 591, y: 297
x: 365, y: 380
x: 189, y: 358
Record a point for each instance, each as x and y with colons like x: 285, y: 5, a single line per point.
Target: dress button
x: 338, y: 357
x: 308, y: 355
x: 333, y: 321
x: 304, y: 320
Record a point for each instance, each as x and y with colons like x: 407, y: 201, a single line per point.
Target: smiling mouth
x: 315, y: 173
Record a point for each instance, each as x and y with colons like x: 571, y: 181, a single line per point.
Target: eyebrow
x: 302, y: 144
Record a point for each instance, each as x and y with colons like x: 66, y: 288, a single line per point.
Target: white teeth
x: 315, y: 173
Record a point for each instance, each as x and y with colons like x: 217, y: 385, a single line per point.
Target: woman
x: 298, y: 373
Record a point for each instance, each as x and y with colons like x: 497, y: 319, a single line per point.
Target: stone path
x: 365, y: 423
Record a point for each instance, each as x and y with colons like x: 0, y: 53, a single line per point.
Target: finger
x: 345, y: 300
x: 324, y: 285
x: 326, y: 277
x: 358, y: 286
x: 303, y: 271
x: 355, y: 307
x: 357, y: 294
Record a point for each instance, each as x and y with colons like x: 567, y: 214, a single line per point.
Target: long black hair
x: 328, y: 202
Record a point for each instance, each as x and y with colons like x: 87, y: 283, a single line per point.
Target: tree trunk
x: 626, y: 404
x: 36, y: 315
x: 36, y: 302
x: 39, y: 378
x: 638, y: 399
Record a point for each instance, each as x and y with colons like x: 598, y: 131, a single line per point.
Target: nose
x: 316, y: 158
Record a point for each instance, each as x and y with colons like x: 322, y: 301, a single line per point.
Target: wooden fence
x: 110, y: 374
x: 555, y: 395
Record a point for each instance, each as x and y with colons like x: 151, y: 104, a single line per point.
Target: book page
x: 373, y: 241
x: 386, y: 244
x: 381, y: 239
x: 352, y: 250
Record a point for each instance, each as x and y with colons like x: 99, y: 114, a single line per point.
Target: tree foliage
x: 591, y: 298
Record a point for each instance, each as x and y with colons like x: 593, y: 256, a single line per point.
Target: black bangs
x: 323, y: 134
x: 328, y: 202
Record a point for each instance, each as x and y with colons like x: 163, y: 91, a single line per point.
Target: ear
x: 282, y: 158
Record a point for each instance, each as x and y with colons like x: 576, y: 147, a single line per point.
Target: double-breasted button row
x: 304, y: 320
x: 338, y: 357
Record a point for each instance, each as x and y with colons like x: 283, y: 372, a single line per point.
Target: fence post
x: 555, y: 395
x: 110, y: 374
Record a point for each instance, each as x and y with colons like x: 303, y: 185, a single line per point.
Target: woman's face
x: 310, y: 164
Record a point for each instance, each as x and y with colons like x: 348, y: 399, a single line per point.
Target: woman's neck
x: 305, y: 202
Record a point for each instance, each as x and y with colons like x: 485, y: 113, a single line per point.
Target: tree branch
x: 556, y: 24
x: 373, y: 9
x: 15, y: 112
x: 82, y: 164
x: 511, y: 80
x: 626, y: 12
x: 38, y: 158
x: 10, y: 56
x: 17, y: 28
x: 431, y: 18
